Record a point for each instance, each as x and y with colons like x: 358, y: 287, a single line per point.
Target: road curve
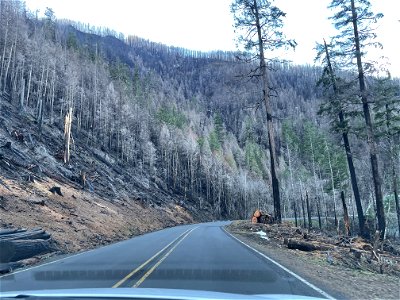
x: 194, y: 257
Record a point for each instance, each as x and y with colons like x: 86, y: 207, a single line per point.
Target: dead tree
x: 345, y: 215
x: 67, y: 135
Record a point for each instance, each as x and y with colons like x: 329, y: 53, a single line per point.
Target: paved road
x: 197, y: 257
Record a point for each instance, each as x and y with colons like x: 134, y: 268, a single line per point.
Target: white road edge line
x: 54, y: 261
x: 282, y: 267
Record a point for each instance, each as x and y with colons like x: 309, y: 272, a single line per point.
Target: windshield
x: 245, y: 147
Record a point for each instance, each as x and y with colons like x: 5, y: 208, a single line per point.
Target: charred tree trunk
x: 345, y: 215
x: 308, y: 211
x: 319, y: 214
x: 396, y: 197
x: 304, y: 212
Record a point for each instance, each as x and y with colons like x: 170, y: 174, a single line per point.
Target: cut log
x: 16, y: 250
x: 257, y: 213
x: 305, y: 246
x: 30, y: 235
x: 266, y: 219
x: 254, y: 220
x: 10, y: 231
x: 8, y: 267
x: 37, y: 201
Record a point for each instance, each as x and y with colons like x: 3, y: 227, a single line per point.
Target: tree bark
x: 370, y: 129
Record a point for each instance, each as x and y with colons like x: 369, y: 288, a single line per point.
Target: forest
x: 195, y: 121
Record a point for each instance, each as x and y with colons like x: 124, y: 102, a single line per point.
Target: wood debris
x: 17, y: 244
x: 353, y: 252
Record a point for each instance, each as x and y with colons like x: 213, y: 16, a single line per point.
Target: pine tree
x: 259, y: 27
x: 336, y: 88
x: 387, y: 120
x: 353, y: 18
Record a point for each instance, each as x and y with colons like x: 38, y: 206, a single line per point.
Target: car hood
x: 141, y: 293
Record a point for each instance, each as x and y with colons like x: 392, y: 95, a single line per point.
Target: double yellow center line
x: 147, y: 274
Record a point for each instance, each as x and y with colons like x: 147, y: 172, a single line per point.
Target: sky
x: 207, y: 25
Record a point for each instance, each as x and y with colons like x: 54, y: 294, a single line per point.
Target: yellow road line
x: 140, y: 281
x: 146, y: 262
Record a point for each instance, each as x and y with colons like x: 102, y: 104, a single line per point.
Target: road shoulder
x: 336, y: 280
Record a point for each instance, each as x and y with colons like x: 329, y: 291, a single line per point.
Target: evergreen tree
x: 336, y: 90
x: 259, y: 27
x: 387, y: 120
x: 353, y: 18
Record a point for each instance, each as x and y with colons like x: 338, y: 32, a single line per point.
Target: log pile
x: 19, y: 244
x: 260, y: 217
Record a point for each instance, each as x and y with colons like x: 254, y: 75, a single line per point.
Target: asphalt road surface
x: 194, y: 257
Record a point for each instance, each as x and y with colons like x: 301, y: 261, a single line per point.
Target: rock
x: 56, y: 190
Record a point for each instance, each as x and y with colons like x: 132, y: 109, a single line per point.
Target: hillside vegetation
x: 162, y: 133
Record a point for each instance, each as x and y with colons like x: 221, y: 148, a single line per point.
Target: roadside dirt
x: 329, y: 271
x: 80, y: 220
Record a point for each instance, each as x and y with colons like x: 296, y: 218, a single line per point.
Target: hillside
x: 162, y: 136
x: 116, y: 203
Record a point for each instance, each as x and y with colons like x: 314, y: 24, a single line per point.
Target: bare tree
x: 67, y: 135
